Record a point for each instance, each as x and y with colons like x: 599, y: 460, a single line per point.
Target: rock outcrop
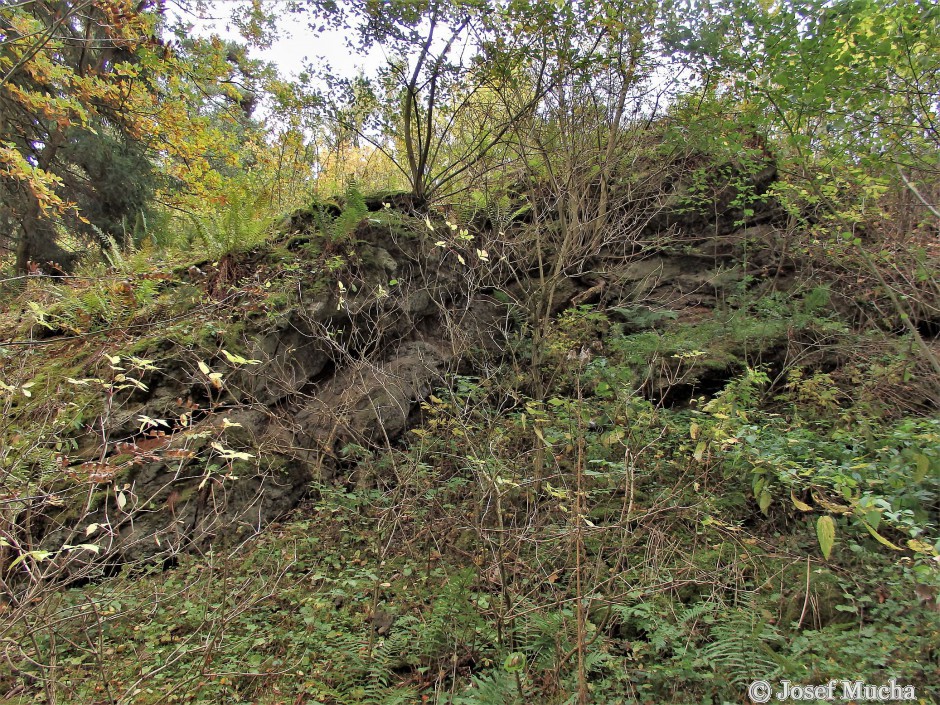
x: 222, y: 437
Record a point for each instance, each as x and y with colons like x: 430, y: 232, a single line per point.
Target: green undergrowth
x: 398, y: 594
x: 519, y: 549
x: 657, y: 350
x: 674, y: 504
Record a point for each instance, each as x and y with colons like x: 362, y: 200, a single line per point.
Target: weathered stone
x: 338, y: 366
x: 369, y: 403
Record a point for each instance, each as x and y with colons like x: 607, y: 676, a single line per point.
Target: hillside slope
x: 382, y: 464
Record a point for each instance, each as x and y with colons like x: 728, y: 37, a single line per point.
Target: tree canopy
x: 102, y: 109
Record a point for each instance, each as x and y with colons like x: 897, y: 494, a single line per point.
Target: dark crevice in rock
x: 707, y: 385
x: 929, y: 328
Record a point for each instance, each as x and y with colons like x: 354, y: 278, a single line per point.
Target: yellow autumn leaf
x: 799, y: 504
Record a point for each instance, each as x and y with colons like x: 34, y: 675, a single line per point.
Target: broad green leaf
x: 922, y: 466
x: 35, y: 555
x: 515, y: 662
x: 540, y: 435
x: 764, y: 501
x: 238, y: 359
x: 826, y: 535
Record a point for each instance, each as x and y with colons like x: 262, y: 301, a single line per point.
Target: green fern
x: 543, y: 632
x: 494, y: 688
x: 741, y: 648
x: 397, y: 649
x: 694, y: 613
x: 241, y: 224
x: 354, y: 210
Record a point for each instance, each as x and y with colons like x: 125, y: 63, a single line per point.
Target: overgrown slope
x: 694, y: 463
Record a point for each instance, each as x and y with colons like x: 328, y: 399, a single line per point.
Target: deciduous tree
x: 100, y: 113
x: 76, y: 95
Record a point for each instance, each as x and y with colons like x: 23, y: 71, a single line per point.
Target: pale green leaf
x: 826, y: 535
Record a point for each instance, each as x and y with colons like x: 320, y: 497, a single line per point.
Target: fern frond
x: 741, y: 650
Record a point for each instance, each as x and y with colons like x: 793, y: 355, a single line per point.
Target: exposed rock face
x: 368, y: 403
x: 347, y: 361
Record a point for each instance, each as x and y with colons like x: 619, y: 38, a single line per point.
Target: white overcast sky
x: 296, y: 43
